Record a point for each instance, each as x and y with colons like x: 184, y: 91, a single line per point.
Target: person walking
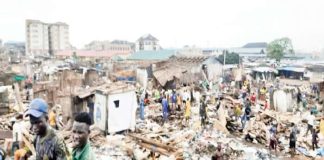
x: 17, y: 133
x: 273, y: 137
x: 142, y: 109
x: 246, y: 115
x: 53, y: 119
x: 165, y: 108
x: 179, y: 102
x: 188, y: 110
x: 203, y: 111
x: 293, y: 139
x: 314, y: 138
x: 173, y: 101
x: 310, y: 122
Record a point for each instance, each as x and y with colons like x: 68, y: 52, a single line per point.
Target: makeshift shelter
x: 316, y: 73
x: 186, y: 70
x: 115, y: 107
x: 292, y: 72
x: 264, y: 73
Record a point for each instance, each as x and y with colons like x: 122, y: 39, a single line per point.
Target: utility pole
x: 224, y: 61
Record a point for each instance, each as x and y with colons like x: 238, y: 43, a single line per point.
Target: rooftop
x: 147, y: 37
x: 256, y: 45
x: 152, y: 55
x: 90, y: 53
x: 120, y: 42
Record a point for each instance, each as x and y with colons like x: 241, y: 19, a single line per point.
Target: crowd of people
x: 45, y: 122
x: 248, y: 96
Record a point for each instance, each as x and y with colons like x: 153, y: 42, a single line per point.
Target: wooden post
x: 18, y: 98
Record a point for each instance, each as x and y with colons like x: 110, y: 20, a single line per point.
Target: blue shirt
x: 164, y: 105
x: 174, y: 98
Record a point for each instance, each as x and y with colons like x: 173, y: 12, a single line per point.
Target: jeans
x: 15, y: 146
x: 243, y: 120
x: 142, y: 111
x: 165, y: 116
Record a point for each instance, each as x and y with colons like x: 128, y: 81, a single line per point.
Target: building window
x: 116, y: 103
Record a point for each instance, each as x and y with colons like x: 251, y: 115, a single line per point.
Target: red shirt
x: 253, y: 98
x: 266, y: 105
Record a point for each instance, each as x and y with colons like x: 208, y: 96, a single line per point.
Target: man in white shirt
x: 17, y: 130
x: 310, y: 122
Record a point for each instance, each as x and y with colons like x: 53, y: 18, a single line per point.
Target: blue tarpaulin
x: 126, y: 79
x: 320, y: 152
x: 303, y: 151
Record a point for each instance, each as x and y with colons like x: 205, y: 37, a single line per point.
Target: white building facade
x: 147, y: 43
x: 45, y: 39
x: 114, y: 46
x: 58, y: 37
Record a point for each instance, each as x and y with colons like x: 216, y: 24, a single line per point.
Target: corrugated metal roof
x: 90, y: 53
x: 293, y: 69
x: 256, y: 45
x: 152, y: 55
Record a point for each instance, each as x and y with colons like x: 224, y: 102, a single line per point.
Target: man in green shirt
x: 80, y: 134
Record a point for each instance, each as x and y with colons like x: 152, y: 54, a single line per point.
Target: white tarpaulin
x: 282, y: 101
x: 141, y: 77
x: 264, y: 69
x: 122, y: 111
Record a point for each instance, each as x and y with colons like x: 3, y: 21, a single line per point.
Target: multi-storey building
x: 114, y: 46
x: 45, y: 38
x: 58, y: 37
x: 147, y: 43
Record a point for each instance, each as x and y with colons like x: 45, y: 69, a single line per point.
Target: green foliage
x: 279, y: 47
x: 231, y: 58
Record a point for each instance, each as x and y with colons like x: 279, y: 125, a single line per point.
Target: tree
x: 279, y: 47
x: 231, y: 58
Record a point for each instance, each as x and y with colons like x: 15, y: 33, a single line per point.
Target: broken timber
x: 155, y: 146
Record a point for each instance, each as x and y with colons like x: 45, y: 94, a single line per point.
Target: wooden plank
x: 152, y: 142
x: 5, y: 134
x: 29, y: 144
x: 18, y: 98
x: 155, y: 148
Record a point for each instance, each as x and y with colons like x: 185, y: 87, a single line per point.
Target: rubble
x: 69, y: 90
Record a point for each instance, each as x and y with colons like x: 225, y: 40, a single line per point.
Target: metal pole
x: 224, y: 56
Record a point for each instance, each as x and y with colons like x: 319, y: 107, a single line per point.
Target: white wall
x: 123, y: 117
x: 120, y: 118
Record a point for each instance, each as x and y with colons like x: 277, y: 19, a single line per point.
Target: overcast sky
x: 204, y: 23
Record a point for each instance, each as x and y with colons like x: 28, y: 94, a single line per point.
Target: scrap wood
x: 95, y: 133
x: 234, y: 101
x: 218, y: 125
x: 269, y: 114
x: 155, y: 148
x: 18, y: 97
x: 28, y: 139
x: 152, y: 142
x: 175, y: 140
x: 5, y: 134
x: 178, y: 154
